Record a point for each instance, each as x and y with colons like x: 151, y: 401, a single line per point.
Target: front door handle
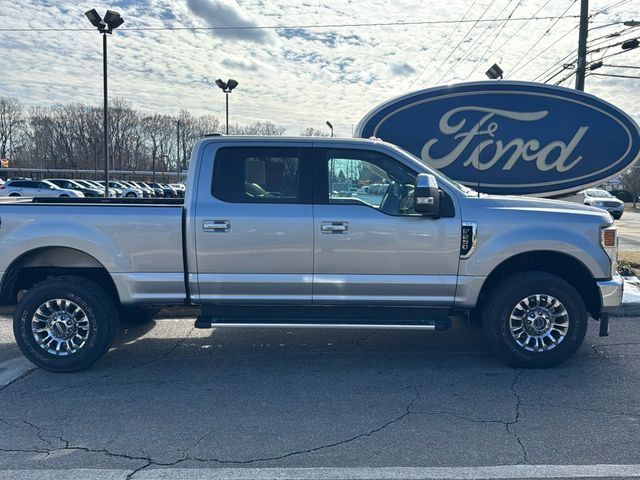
x: 216, y: 225
x: 334, y: 227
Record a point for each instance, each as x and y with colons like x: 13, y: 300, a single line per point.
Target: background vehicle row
x: 64, y: 187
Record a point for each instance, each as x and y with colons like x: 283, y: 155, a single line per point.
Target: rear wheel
x: 14, y: 194
x: 65, y: 324
x: 534, y: 320
x: 617, y: 215
x: 130, y: 194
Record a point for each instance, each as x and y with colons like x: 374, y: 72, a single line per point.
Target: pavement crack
x: 368, y: 433
x: 516, y: 419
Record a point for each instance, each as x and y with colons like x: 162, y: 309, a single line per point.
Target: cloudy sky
x: 308, y: 66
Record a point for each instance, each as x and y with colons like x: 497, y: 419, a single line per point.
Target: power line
x: 621, y: 66
x: 462, y: 40
x: 514, y: 70
x: 560, y: 63
x: 481, y: 57
x: 499, y: 49
x: 612, y: 75
x: 440, y: 48
x: 481, y: 39
x: 553, y: 44
x: 302, y: 26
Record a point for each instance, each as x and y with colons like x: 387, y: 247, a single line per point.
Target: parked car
x: 36, y: 188
x: 75, y: 185
x: 603, y: 199
x: 180, y: 188
x: 96, y: 186
x: 126, y: 190
x: 296, y: 256
x: 147, y: 190
x: 165, y: 190
x: 623, y: 195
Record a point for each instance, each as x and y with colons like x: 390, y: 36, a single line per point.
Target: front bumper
x: 611, y: 292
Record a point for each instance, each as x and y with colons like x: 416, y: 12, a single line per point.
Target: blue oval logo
x: 506, y: 137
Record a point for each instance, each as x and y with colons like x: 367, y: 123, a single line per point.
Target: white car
x: 36, y: 188
x: 603, y: 199
x: 126, y: 191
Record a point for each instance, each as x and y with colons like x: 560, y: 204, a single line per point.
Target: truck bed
x: 138, y: 241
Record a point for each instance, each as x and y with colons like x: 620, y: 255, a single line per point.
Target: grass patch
x: 632, y: 258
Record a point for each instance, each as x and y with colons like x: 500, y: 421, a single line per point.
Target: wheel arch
x: 563, y: 265
x: 41, y: 263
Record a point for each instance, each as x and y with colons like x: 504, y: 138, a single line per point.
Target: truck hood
x: 532, y: 204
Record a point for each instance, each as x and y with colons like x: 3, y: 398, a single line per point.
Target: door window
x: 262, y: 175
x: 361, y: 177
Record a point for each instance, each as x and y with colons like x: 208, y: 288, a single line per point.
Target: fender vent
x: 468, y: 239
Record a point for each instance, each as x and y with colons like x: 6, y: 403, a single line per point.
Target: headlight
x: 597, y: 203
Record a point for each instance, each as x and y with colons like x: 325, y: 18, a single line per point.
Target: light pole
x: 111, y: 21
x: 330, y: 126
x: 227, y: 87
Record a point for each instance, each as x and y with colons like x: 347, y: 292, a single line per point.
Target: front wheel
x: 65, y: 324
x: 534, y: 320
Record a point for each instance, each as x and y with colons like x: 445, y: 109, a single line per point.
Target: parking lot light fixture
x: 227, y: 87
x: 106, y: 25
x: 330, y: 127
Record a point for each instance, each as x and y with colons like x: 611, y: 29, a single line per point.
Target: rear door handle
x: 216, y: 225
x: 334, y: 227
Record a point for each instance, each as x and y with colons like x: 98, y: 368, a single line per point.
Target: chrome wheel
x: 60, y: 327
x: 539, y: 323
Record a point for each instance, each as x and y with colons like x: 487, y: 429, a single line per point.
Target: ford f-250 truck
x: 302, y: 232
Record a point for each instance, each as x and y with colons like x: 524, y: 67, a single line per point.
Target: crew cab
x: 279, y: 232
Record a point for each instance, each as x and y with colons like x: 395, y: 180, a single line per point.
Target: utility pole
x: 582, y: 44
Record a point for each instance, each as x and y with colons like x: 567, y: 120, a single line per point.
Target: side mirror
x: 426, y: 196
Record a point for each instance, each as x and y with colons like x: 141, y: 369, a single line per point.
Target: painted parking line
x: 503, y: 472
x: 12, y: 370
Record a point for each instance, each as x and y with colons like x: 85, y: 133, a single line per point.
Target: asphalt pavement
x: 629, y: 230
x: 169, y: 401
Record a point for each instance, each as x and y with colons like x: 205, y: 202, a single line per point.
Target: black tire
x: 14, y: 194
x: 137, y: 315
x: 617, y: 216
x: 64, y: 195
x: 509, y: 294
x: 100, y: 315
x: 130, y: 194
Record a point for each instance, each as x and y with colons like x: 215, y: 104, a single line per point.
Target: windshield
x: 599, y: 193
x: 459, y: 186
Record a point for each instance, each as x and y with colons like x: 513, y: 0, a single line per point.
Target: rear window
x: 262, y: 175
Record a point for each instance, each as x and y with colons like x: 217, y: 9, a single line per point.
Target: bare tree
x: 313, y: 132
x: 10, y: 120
x: 631, y: 181
x: 71, y: 136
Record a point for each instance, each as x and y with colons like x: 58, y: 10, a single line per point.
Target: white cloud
x: 227, y: 13
x: 295, y: 77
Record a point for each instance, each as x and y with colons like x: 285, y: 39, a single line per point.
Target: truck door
x: 370, y: 246
x: 254, y: 225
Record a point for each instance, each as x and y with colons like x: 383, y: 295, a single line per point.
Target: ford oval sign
x: 510, y: 137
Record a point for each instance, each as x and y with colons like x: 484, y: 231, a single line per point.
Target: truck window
x: 361, y: 177
x: 262, y: 175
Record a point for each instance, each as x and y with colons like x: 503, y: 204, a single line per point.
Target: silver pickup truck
x: 309, y: 232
